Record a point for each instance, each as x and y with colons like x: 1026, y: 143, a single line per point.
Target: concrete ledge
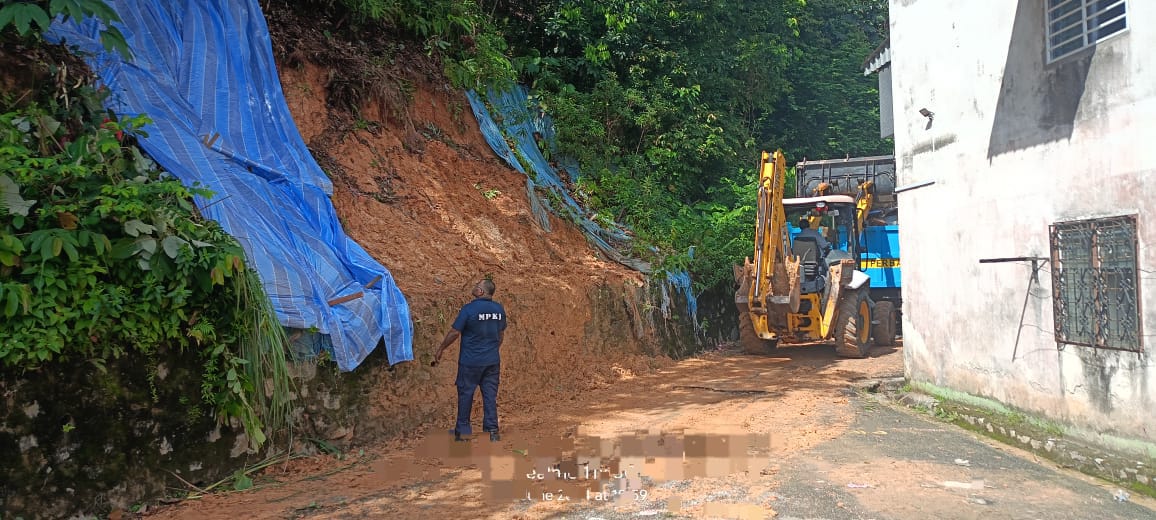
x: 1132, y: 469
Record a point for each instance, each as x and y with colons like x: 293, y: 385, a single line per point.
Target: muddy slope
x: 418, y: 187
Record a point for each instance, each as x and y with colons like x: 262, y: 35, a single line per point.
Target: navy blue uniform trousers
x: 469, y: 379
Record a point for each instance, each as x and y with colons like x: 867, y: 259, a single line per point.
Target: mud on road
x: 723, y: 435
x: 698, y: 423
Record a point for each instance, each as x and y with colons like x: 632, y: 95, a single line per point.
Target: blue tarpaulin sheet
x: 203, y: 71
x: 531, y: 131
x: 525, y: 128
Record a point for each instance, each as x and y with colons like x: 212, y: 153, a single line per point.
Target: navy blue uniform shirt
x: 480, y: 323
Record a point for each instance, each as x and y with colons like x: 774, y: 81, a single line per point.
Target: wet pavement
x: 894, y: 463
x: 916, y: 467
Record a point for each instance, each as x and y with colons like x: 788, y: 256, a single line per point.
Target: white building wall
x: 1015, y: 145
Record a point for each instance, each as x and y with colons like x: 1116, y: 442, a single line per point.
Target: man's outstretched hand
x: 450, y: 337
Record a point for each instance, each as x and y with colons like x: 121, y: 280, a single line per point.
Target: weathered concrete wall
x: 74, y: 438
x: 1017, y: 144
x: 78, y: 440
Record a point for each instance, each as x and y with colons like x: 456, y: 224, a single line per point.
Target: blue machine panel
x: 881, y: 257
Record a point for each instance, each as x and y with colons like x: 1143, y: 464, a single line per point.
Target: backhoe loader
x: 804, y: 286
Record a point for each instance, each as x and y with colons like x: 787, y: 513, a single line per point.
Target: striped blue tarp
x: 203, y: 71
x: 531, y: 131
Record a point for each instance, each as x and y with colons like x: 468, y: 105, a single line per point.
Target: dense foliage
x: 667, y: 103
x: 30, y: 18
x: 103, y: 255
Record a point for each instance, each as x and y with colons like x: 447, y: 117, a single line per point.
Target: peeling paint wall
x: 1017, y: 144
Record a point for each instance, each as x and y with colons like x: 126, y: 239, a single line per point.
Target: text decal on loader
x: 880, y: 263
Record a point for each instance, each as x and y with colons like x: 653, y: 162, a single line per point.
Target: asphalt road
x: 898, y: 464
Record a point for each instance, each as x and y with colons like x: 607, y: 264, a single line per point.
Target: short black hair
x: 804, y: 222
x: 487, y: 285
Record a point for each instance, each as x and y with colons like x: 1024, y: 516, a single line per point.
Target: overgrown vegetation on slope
x: 103, y: 255
x: 665, y: 103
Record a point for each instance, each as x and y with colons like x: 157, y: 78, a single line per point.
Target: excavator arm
x: 772, y: 279
x: 770, y: 226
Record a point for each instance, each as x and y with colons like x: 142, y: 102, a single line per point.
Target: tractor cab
x: 831, y: 217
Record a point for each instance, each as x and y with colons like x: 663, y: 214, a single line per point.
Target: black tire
x: 853, y: 325
x: 884, y: 329
x: 749, y: 340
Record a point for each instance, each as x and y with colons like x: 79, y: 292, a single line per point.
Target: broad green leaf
x: 135, y: 227
x: 70, y: 250
x: 41, y: 17
x: 11, y: 200
x: 123, y: 248
x: 75, y: 10
x: 11, y: 304
x: 99, y: 243
x: 113, y: 40
x: 6, y: 14
x: 58, y: 6
x: 172, y: 245
x: 23, y: 17
x: 46, y: 249
x: 100, y: 10
x: 148, y: 245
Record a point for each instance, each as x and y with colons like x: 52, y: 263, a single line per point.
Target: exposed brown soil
x: 418, y: 187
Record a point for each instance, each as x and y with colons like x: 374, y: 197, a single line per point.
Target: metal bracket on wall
x: 910, y: 187
x: 1037, y: 264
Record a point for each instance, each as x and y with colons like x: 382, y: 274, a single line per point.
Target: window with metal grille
x: 1077, y: 24
x: 1095, y: 287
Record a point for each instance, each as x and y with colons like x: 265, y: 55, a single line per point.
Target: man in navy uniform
x: 480, y: 324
